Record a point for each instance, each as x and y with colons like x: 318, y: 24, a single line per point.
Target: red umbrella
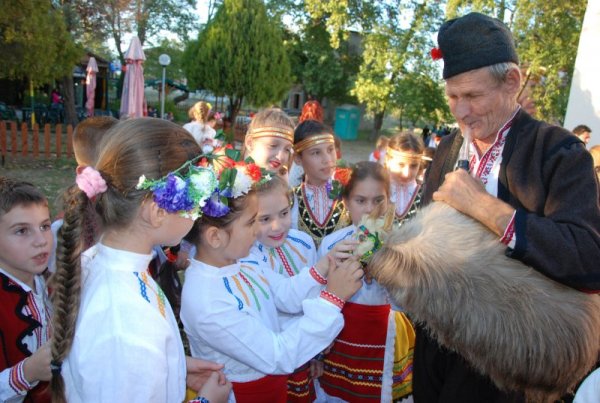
x: 90, y: 85
x: 133, y: 101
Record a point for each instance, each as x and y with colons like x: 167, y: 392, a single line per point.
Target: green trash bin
x: 347, y: 120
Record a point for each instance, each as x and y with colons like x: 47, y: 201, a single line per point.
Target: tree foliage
x: 396, y: 51
x: 324, y: 72
x: 153, y: 69
x: 34, y: 42
x: 144, y: 18
x: 240, y: 54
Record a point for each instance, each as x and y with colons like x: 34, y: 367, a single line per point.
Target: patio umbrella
x: 90, y: 85
x: 133, y: 102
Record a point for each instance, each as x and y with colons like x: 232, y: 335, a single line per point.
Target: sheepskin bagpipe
x: 525, y: 331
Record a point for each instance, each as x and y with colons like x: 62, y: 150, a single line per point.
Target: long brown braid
x: 130, y: 152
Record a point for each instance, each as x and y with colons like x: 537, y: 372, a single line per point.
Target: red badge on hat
x: 436, y: 53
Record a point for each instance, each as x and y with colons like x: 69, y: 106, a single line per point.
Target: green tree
x: 153, y: 69
x: 324, y: 72
x: 34, y: 42
x: 240, y: 54
x: 396, y: 51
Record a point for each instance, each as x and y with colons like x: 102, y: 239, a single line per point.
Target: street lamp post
x: 164, y: 61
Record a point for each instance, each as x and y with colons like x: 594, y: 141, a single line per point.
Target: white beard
x: 525, y: 331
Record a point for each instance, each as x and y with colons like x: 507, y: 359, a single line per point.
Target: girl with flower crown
x: 115, y: 338
x: 317, y: 210
x: 403, y: 159
x: 230, y: 301
x: 371, y: 359
x: 269, y: 140
x: 287, y: 252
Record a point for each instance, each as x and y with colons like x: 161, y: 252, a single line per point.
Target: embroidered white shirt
x: 230, y: 317
x: 297, y: 254
x: 402, y: 195
x: 127, y: 346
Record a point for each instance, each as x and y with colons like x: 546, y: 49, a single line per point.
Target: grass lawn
x: 52, y: 176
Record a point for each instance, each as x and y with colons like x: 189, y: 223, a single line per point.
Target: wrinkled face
x: 270, y: 152
x: 25, y: 241
x: 273, y: 220
x: 318, y: 162
x: 403, y: 169
x: 241, y: 232
x: 365, y: 196
x: 480, y: 104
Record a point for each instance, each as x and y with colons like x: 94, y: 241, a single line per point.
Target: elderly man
x: 530, y: 183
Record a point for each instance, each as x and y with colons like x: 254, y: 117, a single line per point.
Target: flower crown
x: 203, y: 185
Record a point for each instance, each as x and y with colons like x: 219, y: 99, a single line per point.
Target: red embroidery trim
x: 509, y: 232
x: 317, y: 276
x: 334, y: 299
x: 310, y: 213
x: 286, y: 264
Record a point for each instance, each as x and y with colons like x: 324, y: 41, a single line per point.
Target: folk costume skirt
x: 371, y: 359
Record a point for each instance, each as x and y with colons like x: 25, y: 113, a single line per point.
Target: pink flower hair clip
x: 90, y: 182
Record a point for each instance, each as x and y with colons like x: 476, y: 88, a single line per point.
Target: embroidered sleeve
x: 18, y: 385
x: 509, y: 238
x: 332, y: 298
x: 317, y: 276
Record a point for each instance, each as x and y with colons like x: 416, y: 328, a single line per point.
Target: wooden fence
x: 22, y: 141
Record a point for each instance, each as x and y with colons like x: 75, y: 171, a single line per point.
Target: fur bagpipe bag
x: 525, y: 331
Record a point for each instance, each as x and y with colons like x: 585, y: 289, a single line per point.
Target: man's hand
x: 468, y: 195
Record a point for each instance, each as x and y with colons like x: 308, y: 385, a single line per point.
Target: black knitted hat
x: 473, y: 41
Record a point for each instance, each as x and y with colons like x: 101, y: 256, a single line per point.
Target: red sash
x: 354, y: 367
x: 268, y: 389
x: 300, y: 387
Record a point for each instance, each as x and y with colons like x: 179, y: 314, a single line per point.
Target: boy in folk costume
x: 317, y: 209
x: 25, y: 246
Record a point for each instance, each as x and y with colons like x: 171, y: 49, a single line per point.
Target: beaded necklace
x: 145, y: 285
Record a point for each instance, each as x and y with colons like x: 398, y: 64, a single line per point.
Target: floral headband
x: 203, y: 185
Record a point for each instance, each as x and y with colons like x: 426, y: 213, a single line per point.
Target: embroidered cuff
x: 317, y: 276
x: 509, y: 239
x: 199, y: 399
x: 17, y: 380
x: 334, y: 299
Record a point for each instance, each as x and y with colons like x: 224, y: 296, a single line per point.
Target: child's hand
x: 214, y: 391
x: 345, y: 279
x: 37, y: 366
x: 316, y: 369
x: 341, y: 251
x: 199, y: 371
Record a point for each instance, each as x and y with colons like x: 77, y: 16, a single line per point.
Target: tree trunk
x: 377, y: 123
x: 69, y: 101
